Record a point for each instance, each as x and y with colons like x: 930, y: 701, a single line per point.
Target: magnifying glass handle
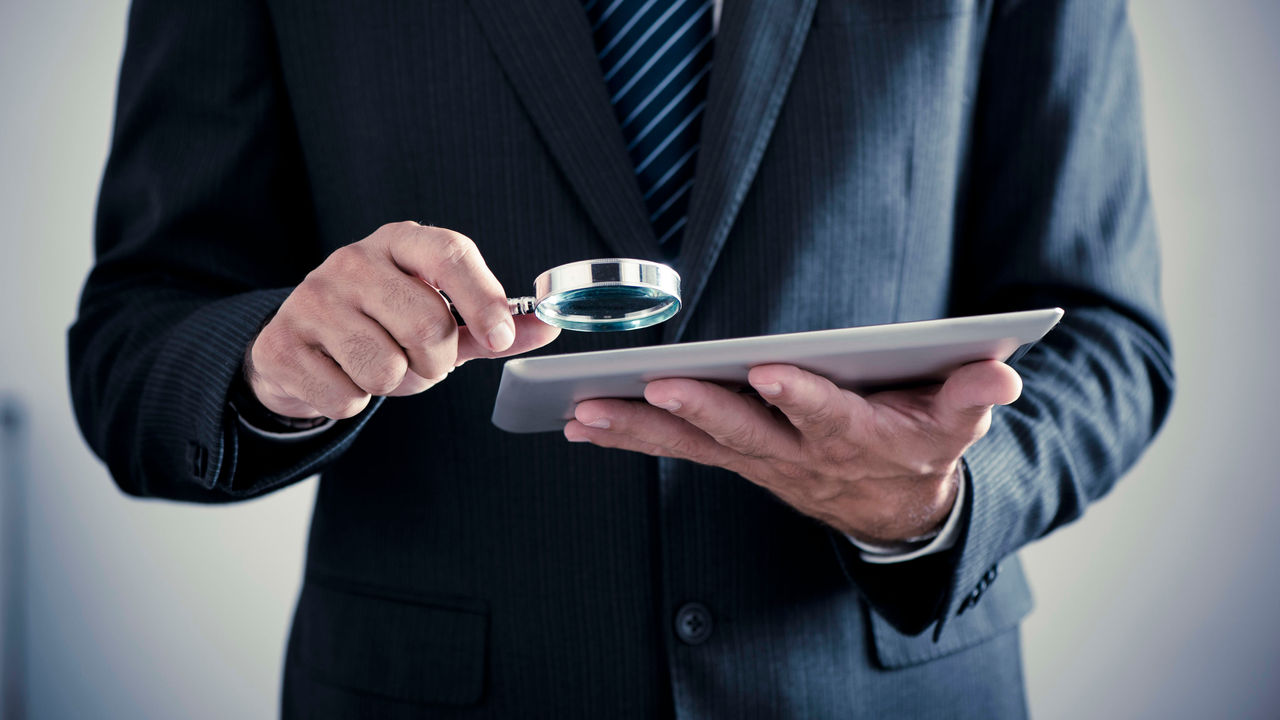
x: 518, y: 306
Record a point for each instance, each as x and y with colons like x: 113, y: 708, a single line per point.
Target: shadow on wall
x: 13, y: 532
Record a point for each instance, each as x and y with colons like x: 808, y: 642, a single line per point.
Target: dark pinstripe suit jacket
x: 863, y: 161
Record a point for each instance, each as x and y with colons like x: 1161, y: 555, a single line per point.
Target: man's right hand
x: 370, y: 321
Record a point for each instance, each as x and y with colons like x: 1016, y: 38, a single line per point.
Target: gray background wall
x: 1160, y: 603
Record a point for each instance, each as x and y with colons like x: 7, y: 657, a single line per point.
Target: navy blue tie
x: 656, y: 59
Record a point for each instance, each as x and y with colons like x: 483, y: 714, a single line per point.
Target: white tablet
x: 539, y: 394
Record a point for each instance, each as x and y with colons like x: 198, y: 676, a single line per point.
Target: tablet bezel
x: 538, y: 394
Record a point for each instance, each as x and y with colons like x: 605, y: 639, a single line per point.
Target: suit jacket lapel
x: 756, y: 49
x: 546, y: 51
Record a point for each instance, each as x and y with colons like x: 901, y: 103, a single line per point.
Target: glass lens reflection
x: 607, y: 308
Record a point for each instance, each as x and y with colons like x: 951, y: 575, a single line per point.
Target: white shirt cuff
x: 944, y: 540
x: 287, y: 436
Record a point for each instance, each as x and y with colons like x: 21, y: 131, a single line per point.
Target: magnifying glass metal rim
x: 659, y: 278
x: 650, y: 275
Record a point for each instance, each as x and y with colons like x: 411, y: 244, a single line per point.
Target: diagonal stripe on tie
x: 655, y: 58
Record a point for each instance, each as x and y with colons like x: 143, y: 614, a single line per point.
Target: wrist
x: 246, y: 404
x: 942, y: 540
x: 925, y: 519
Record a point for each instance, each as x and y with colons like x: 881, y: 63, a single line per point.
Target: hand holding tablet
x: 882, y: 466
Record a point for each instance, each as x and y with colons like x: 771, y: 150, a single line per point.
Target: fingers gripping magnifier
x: 601, y: 295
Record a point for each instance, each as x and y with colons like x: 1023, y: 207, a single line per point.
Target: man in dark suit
x: 821, y: 163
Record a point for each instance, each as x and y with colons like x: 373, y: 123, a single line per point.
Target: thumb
x: 531, y: 334
x: 969, y: 393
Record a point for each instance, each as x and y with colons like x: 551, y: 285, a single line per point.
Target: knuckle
x: 349, y: 406
x: 498, y: 310
x: 385, y: 376
x: 336, y: 402
x: 825, y: 421
x: 453, y: 249
x: 417, y: 383
x: 398, y: 230
x: 741, y: 435
x: 839, y: 453
x: 346, y: 261
x: 434, y: 366
x: 398, y: 295
x: 316, y: 392
x: 360, y: 351
x: 684, y: 446
x: 435, y: 371
x: 374, y: 370
x: 279, y: 349
x: 308, y: 297
x: 432, y: 329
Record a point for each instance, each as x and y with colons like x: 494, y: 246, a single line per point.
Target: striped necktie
x: 656, y: 57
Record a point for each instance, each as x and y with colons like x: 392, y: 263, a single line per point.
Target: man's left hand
x: 882, y: 468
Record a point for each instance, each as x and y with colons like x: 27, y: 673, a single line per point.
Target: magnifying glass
x: 601, y: 295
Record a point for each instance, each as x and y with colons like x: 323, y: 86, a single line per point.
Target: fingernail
x: 601, y: 423
x: 771, y: 389
x: 576, y: 439
x: 501, y: 337
x: 671, y: 405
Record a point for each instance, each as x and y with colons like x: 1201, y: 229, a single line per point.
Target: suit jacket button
x: 693, y: 623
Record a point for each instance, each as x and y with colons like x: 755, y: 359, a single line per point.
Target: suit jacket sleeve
x: 204, y: 224
x: 1057, y: 213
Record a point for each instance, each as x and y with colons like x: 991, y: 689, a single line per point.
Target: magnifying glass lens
x: 607, y: 308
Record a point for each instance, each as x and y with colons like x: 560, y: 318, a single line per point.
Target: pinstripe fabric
x: 864, y: 161
x: 547, y: 57
x: 656, y: 60
x: 742, y: 106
